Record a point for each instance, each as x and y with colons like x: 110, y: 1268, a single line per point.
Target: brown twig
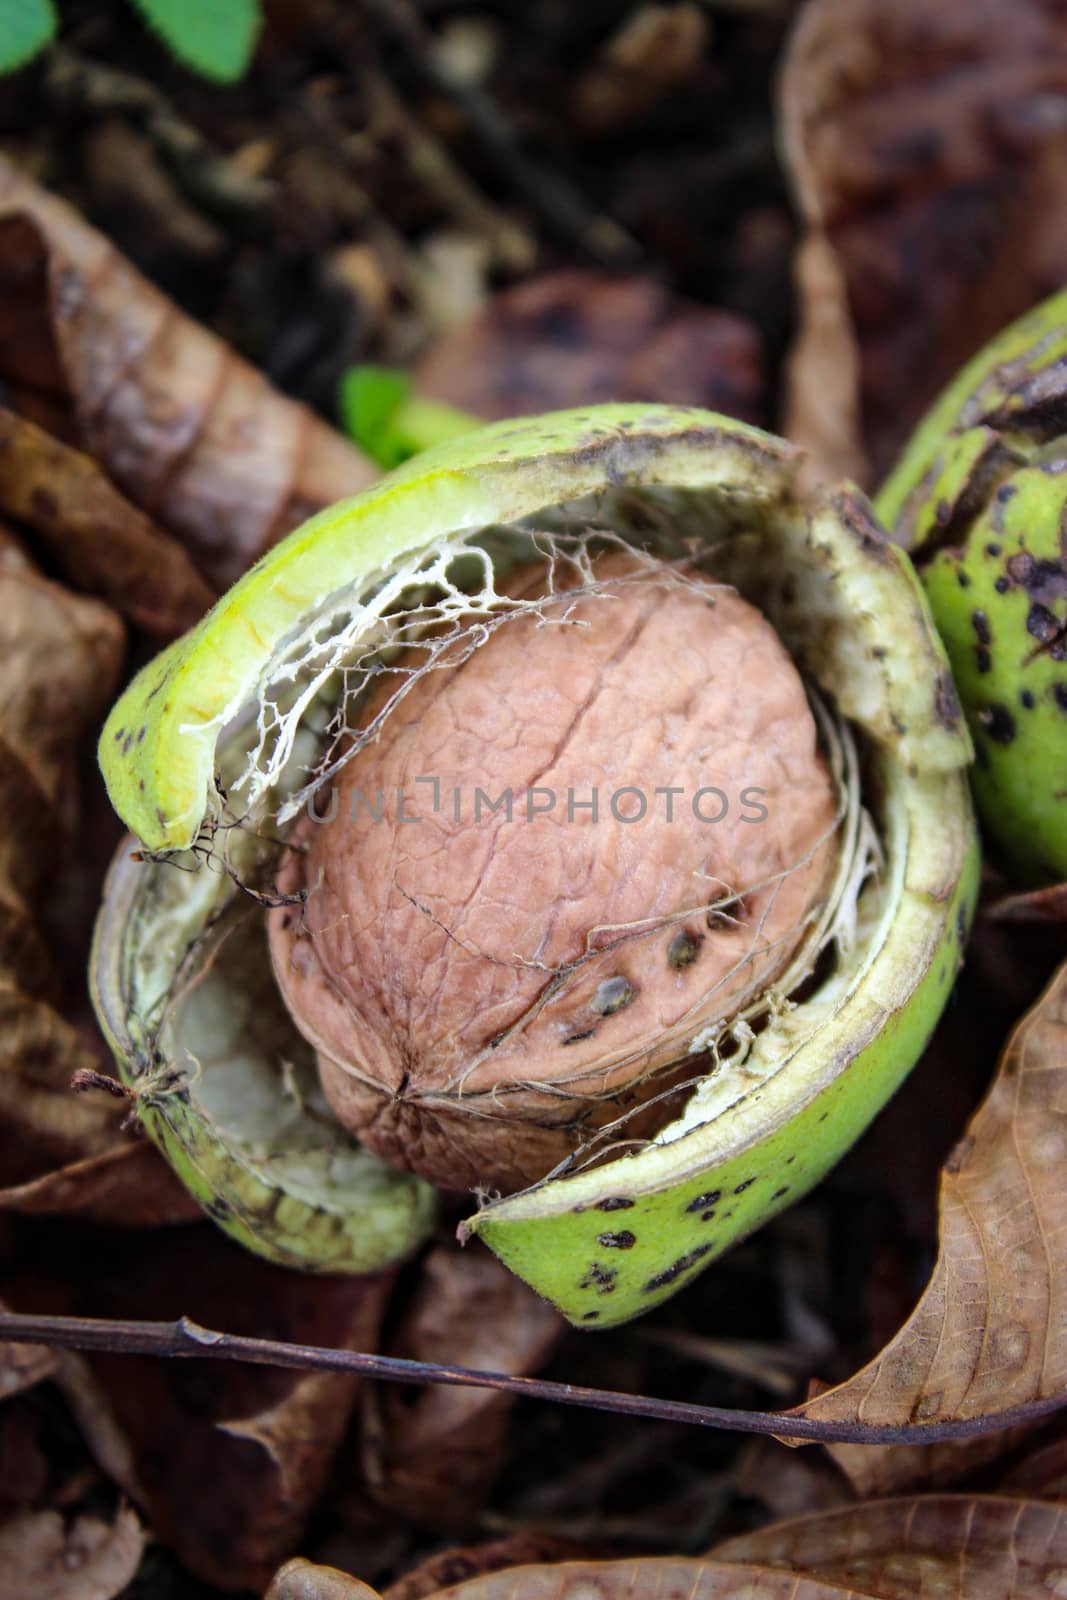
x: 184, y: 1338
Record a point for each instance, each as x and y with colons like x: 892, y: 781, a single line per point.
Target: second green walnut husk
x: 209, y: 752
x: 979, y: 499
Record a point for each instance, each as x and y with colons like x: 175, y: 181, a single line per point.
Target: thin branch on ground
x: 184, y: 1339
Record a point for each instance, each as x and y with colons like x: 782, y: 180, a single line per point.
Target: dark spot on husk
x: 992, y: 549
x: 1026, y: 699
x: 745, y: 1184
x: 778, y: 1193
x: 706, y: 1216
x: 962, y: 578
x: 789, y: 1160
x: 612, y: 995
x: 980, y: 624
x: 1041, y: 624
x: 140, y: 734
x: 702, y: 1201
x: 676, y: 1268
x: 683, y: 950
x: 623, y: 1240
x: 615, y: 1202
x: 219, y: 1209
x: 983, y: 659
x: 998, y: 723
x: 1002, y: 584
x: 590, y: 1316
x: 120, y: 734
x: 602, y: 1279
x: 1059, y: 694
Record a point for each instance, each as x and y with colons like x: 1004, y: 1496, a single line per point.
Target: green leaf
x: 213, y: 37
x: 26, y: 26
x: 371, y: 398
x: 390, y: 421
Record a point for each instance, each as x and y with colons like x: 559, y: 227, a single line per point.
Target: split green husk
x: 220, y: 740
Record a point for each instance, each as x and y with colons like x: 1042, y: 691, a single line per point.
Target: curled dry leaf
x: 575, y: 337
x: 925, y: 145
x: 194, y: 435
x: 43, y: 1554
x: 434, y: 1457
x: 977, y: 1547
x: 100, y: 541
x: 990, y: 1331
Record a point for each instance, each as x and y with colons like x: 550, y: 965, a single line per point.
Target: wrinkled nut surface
x: 484, y: 992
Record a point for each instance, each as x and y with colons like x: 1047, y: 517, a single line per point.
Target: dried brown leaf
x: 304, y: 1580
x: 575, y: 337
x: 43, y: 1555
x: 1041, y: 1475
x: 59, y: 660
x: 433, y: 1457
x: 449, y: 1567
x: 925, y: 145
x: 100, y: 541
x: 661, y: 1577
x: 195, y: 436
x: 880, y: 1470
x: 43, y: 1124
x: 990, y: 1331
x: 977, y: 1547
x: 225, y: 1460
x: 1047, y: 905
x: 128, y: 1184
x: 60, y: 656
x: 788, y: 1483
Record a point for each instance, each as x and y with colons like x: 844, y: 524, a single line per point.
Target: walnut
x: 484, y: 989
